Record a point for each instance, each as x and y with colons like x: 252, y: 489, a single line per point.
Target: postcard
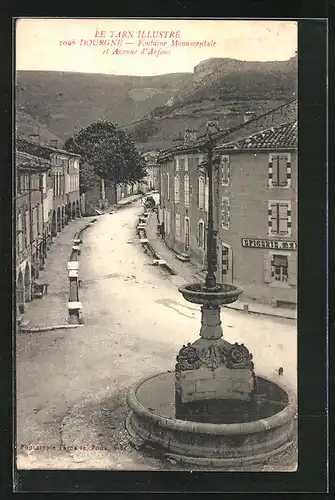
x: 156, y: 244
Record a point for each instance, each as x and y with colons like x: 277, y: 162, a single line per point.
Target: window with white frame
x: 176, y: 188
x: 178, y: 233
x: 201, y: 234
x: 187, y: 189
x: 181, y: 164
x: 176, y: 164
x: 201, y: 192
x: 279, y: 218
x: 279, y: 170
x: 225, y: 212
x: 225, y: 170
x: 279, y: 268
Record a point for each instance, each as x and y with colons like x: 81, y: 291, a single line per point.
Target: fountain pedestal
x: 204, y: 412
x: 212, y: 368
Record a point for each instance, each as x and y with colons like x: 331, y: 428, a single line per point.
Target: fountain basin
x: 152, y: 422
x: 222, y: 294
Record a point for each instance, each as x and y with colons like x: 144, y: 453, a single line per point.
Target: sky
x: 123, y: 46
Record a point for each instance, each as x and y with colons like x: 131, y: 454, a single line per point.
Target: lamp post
x: 210, y: 281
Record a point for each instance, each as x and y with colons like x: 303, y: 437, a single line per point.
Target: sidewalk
x: 191, y: 273
x: 52, y: 309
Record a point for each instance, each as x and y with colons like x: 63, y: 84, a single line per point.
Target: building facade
x: 255, y: 210
x: 152, y: 168
x: 65, y: 182
x: 47, y: 197
x: 32, y: 186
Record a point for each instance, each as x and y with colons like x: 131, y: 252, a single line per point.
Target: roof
x: 274, y: 115
x: 24, y: 160
x: 284, y: 136
x: 35, y: 149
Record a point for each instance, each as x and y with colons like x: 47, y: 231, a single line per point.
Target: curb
x: 48, y: 328
x: 147, y: 245
x: 74, y: 256
x: 173, y: 272
x: 272, y: 315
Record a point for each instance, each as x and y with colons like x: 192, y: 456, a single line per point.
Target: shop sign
x: 269, y: 244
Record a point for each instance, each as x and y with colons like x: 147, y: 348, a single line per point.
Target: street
x: 135, y: 322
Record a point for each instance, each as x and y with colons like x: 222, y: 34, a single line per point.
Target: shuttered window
x: 167, y: 186
x: 187, y: 189
x: 201, y: 235
x: 201, y: 192
x: 225, y: 212
x: 176, y: 188
x: 225, y: 170
x: 279, y: 221
x: 279, y: 170
x: 178, y: 226
x: 181, y: 164
x: 206, y: 193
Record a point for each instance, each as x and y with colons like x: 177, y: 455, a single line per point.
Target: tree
x: 110, y: 153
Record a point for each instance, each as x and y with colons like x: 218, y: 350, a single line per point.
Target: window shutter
x: 267, y: 268
x: 282, y: 181
x: 292, y: 270
x: 283, y: 229
x: 275, y: 168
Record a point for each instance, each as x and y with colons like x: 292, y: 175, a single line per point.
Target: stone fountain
x: 213, y: 410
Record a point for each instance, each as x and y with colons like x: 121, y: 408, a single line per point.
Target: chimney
x: 190, y: 136
x: 34, y: 138
x: 54, y: 143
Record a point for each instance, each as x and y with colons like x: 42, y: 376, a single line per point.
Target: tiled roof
x: 225, y: 134
x: 35, y: 149
x: 25, y: 160
x: 280, y: 136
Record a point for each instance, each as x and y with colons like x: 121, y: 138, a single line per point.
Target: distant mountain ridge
x: 66, y: 102
x: 156, y: 109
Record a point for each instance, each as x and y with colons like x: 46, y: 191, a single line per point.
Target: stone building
x: 31, y: 222
x: 152, y: 168
x: 67, y: 203
x: 255, y: 205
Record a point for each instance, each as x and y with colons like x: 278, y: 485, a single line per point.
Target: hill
x: 226, y: 90
x: 65, y: 102
x: 26, y: 125
x: 156, y: 109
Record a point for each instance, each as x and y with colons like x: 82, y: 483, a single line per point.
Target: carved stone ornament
x: 239, y: 357
x: 188, y: 359
x: 212, y: 356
